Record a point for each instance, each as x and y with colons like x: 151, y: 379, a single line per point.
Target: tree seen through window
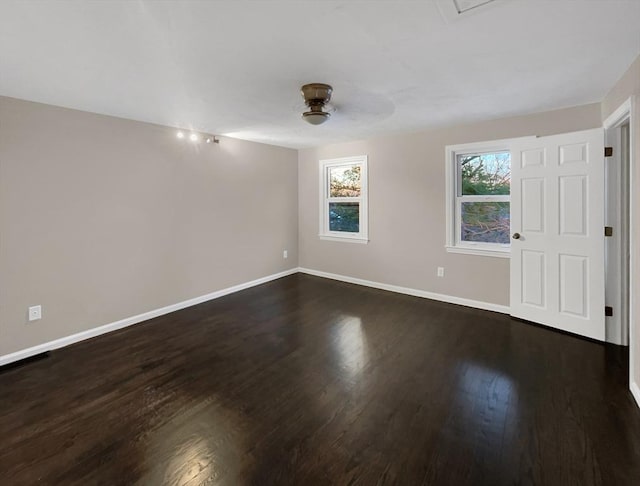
x: 485, y: 185
x: 344, y: 182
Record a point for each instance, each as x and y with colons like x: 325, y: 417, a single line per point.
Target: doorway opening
x: 618, y: 223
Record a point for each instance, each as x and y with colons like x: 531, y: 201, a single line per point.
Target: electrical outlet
x: 285, y: 254
x: 35, y: 313
x: 440, y: 271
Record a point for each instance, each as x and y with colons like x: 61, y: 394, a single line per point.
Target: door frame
x: 627, y: 112
x: 617, y: 209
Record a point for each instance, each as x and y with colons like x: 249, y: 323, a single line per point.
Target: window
x: 478, y: 198
x: 343, y: 199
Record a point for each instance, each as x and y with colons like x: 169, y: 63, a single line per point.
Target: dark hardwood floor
x: 307, y: 381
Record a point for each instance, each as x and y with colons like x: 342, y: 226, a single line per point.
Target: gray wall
x: 407, y: 208
x: 103, y: 218
x: 629, y: 85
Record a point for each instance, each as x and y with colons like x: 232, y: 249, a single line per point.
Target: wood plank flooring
x: 307, y: 381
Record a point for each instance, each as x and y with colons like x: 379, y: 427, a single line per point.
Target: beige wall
x: 407, y: 208
x: 627, y: 86
x: 104, y: 218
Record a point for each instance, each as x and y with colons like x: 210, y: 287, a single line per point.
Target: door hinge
x: 608, y: 231
x: 608, y: 151
x: 608, y: 311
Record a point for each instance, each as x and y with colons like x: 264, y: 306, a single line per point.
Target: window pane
x: 344, y: 181
x: 485, y: 174
x: 344, y: 217
x: 486, y: 222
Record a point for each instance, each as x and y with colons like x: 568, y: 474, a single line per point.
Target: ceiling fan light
x: 315, y: 117
x: 316, y: 95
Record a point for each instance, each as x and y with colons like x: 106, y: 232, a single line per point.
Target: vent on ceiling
x: 463, y: 6
x: 453, y: 10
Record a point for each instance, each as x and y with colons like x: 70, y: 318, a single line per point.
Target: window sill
x: 506, y: 253
x: 345, y: 239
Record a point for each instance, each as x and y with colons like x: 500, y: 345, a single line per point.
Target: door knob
x: 516, y: 236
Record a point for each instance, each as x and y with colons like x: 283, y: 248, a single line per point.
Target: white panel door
x: 557, y: 225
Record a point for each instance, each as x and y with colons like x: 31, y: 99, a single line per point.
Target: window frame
x: 454, y: 199
x: 325, y: 233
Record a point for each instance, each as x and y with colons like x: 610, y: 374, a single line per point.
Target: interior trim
x: 635, y: 391
x: 129, y: 321
x: 502, y: 309
x: 97, y: 331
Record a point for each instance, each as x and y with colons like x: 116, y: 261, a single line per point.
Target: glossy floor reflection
x: 307, y: 381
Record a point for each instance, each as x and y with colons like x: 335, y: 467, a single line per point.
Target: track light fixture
x: 196, y: 137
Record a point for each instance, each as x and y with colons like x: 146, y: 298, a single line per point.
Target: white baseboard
x: 129, y: 321
x: 635, y: 391
x: 503, y: 309
x: 97, y: 331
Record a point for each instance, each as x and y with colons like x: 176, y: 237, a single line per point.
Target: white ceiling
x: 234, y: 67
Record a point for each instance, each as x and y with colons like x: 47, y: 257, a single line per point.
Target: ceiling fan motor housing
x: 316, y: 96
